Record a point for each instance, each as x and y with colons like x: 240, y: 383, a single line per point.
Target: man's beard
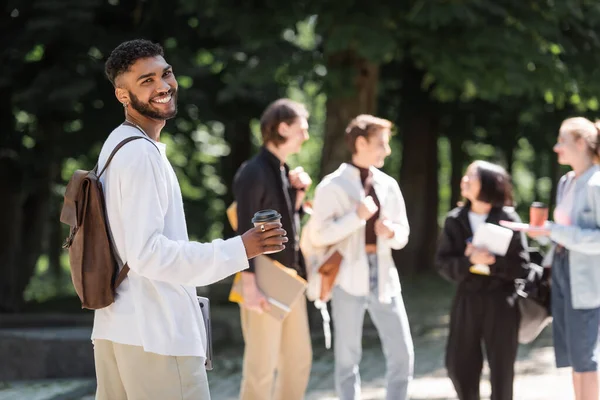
x: 147, y: 110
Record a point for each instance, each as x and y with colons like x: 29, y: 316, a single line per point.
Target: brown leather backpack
x: 94, y: 265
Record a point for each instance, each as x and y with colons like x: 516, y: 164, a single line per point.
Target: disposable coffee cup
x: 265, y: 216
x: 538, y: 214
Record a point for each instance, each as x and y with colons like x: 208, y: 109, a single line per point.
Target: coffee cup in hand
x: 367, y: 208
x: 538, y: 214
x: 264, y: 217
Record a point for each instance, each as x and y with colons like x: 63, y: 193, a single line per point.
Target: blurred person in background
x: 267, y: 182
x: 575, y: 256
x: 359, y: 210
x: 481, y: 314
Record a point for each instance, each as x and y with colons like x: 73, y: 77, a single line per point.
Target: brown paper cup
x: 538, y: 214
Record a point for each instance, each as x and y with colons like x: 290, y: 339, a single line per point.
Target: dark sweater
x: 262, y: 183
x: 366, y: 177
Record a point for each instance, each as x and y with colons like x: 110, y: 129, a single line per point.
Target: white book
x: 494, y: 238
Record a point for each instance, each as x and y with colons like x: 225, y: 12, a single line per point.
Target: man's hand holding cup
x: 267, y: 236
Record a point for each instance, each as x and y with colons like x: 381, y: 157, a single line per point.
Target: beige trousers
x: 276, y: 346
x: 128, y: 372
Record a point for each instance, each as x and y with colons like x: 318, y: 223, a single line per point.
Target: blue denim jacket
x: 582, y: 238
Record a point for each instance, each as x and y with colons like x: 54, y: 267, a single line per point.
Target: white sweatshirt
x: 156, y: 305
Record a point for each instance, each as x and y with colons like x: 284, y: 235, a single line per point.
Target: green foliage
x: 485, y: 49
x: 45, y: 285
x: 501, y: 76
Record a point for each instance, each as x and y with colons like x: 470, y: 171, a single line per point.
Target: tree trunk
x: 419, y: 173
x: 20, y: 238
x: 238, y: 134
x: 509, y: 154
x: 418, y: 181
x: 352, y: 90
x: 36, y: 209
x: 11, y: 181
x: 25, y: 206
x: 458, y: 158
x: 54, y: 239
x: 12, y: 184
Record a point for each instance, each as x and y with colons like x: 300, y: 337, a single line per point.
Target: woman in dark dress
x: 481, y: 315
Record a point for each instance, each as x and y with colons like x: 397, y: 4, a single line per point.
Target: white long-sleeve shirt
x: 335, y: 222
x: 156, y: 305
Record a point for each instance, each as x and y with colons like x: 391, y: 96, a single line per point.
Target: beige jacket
x: 334, y: 221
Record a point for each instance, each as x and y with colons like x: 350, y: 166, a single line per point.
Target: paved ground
x: 537, y: 379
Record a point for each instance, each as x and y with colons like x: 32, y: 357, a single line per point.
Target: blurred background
x: 461, y: 79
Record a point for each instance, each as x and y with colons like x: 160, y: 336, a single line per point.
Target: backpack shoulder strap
x: 123, y: 272
x: 122, y: 275
x: 118, y: 147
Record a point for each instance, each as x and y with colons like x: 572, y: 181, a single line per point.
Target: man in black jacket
x: 266, y: 182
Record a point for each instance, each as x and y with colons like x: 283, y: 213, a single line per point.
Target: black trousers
x: 482, y: 318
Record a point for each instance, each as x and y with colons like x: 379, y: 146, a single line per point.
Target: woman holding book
x: 481, y: 315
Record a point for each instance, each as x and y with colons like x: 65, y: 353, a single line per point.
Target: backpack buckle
x: 69, y: 240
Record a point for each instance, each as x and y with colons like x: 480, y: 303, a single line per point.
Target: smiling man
x: 150, y: 343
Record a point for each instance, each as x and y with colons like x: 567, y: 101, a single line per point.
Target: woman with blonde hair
x: 575, y: 260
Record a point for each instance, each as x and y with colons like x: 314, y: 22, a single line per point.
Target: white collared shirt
x: 156, y: 306
x: 336, y: 222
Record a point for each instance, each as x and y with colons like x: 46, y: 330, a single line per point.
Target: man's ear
x: 122, y: 95
x: 282, y: 129
x: 360, y: 143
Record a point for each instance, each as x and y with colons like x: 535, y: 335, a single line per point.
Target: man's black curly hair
x: 127, y: 53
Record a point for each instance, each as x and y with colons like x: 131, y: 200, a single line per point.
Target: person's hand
x: 384, y: 228
x: 538, y: 233
x: 307, y: 206
x: 481, y: 256
x: 257, y: 242
x: 254, y: 300
x: 367, y: 208
x: 469, y: 249
x: 299, y: 179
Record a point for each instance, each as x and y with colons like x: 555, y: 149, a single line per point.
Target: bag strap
x: 322, y: 307
x: 125, y: 270
x: 118, y: 147
x: 122, y: 275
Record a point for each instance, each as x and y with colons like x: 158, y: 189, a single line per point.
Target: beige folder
x: 280, y: 285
